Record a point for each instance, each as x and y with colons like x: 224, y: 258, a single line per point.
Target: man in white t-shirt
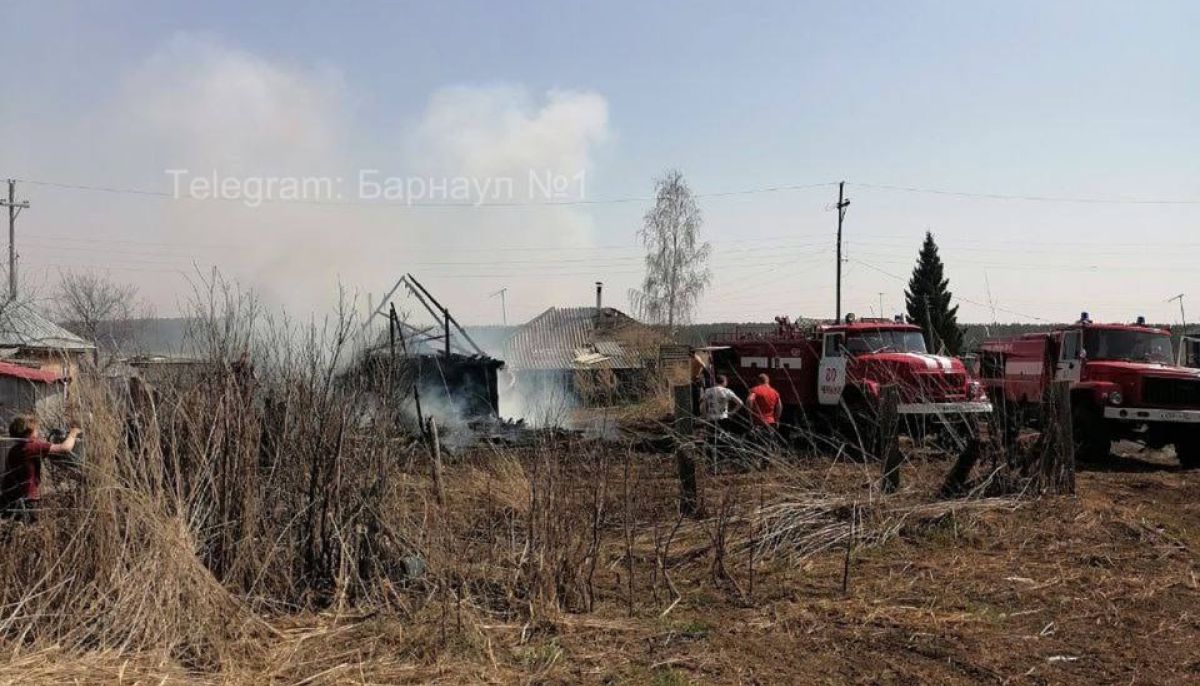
x: 717, y: 401
x: 715, y: 404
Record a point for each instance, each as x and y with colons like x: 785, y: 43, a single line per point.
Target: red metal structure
x: 1125, y: 384
x: 831, y: 370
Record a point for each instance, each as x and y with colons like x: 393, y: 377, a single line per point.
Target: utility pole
x: 14, y: 208
x: 881, y: 314
x: 503, y: 307
x: 1182, y: 327
x: 842, y: 204
x: 1182, y: 316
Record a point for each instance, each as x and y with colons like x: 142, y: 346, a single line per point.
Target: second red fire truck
x: 1126, y: 383
x: 1189, y: 351
x: 828, y: 372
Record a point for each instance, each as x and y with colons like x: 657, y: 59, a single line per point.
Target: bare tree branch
x: 96, y: 308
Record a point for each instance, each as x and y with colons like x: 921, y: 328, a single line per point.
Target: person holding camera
x: 20, y: 484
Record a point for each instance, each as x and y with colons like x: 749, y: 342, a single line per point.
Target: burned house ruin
x: 437, y: 370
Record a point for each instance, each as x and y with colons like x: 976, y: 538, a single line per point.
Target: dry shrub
x: 268, y: 483
x: 110, y: 567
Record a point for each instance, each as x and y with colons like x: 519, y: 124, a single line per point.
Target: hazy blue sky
x: 1057, y: 99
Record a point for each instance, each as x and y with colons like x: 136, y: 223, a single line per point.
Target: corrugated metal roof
x: 21, y: 326
x: 572, y: 338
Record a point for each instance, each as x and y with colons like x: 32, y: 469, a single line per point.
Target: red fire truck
x: 829, y: 372
x: 1125, y: 384
x: 1189, y: 351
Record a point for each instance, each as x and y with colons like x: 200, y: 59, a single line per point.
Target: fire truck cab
x: 830, y: 369
x: 1125, y: 384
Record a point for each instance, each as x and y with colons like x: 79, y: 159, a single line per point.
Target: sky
x: 1051, y: 147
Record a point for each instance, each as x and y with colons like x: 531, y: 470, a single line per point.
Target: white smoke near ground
x: 541, y: 402
x: 541, y: 399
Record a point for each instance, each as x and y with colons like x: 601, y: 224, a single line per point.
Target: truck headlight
x: 1116, y: 398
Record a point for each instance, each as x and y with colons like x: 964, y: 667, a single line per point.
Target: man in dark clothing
x: 21, y: 481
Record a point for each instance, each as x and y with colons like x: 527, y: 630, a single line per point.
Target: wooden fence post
x: 886, y: 439
x: 1056, y: 473
x: 685, y: 419
x: 436, y: 445
x: 689, y: 489
x: 685, y: 450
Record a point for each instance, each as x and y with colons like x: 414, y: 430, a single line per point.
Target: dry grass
x: 240, y: 541
x: 958, y: 592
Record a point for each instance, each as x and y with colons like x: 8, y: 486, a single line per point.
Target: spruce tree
x: 928, y: 301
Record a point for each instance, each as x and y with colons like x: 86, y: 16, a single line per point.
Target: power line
x: 959, y: 296
x: 104, y: 267
x: 1031, y: 198
x: 777, y: 188
x: 1059, y: 267
x: 406, y: 203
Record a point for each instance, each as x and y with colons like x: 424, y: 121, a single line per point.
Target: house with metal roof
x: 573, y: 338
x: 30, y: 339
x: 599, y: 353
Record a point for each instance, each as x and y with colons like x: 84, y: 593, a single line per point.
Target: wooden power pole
x: 14, y: 208
x: 842, y: 204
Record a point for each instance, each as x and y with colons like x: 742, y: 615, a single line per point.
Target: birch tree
x: 676, y: 259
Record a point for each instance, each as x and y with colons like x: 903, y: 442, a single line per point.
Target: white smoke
x: 210, y: 106
x: 502, y: 130
x: 200, y: 104
x: 540, y: 402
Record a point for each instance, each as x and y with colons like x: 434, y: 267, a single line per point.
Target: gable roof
x: 21, y: 326
x: 573, y: 338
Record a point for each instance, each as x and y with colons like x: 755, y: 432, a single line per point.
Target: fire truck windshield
x: 1134, y: 346
x: 863, y: 342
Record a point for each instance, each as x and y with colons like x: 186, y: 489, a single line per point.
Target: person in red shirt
x: 764, y: 402
x: 766, y: 408
x: 20, y: 484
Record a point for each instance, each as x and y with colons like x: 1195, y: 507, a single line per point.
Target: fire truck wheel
x: 1188, y: 450
x: 1093, y: 442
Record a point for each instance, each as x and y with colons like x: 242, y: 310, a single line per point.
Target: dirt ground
x: 1100, y: 588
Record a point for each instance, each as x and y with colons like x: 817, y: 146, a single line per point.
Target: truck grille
x: 1171, y: 392
x: 937, y: 387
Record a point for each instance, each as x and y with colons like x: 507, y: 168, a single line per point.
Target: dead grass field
x: 1098, y: 588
